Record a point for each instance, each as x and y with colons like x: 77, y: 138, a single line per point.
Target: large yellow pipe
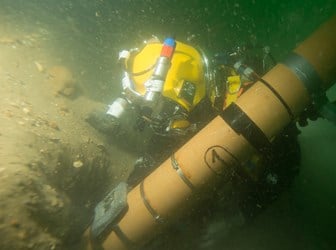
x: 218, y: 148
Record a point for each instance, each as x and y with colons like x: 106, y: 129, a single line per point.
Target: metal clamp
x: 179, y: 171
x: 151, y: 210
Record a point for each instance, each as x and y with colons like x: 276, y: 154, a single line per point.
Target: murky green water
x: 87, y: 35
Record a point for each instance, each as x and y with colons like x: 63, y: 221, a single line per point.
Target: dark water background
x: 87, y: 35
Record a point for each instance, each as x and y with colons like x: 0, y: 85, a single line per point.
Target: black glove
x: 103, y: 122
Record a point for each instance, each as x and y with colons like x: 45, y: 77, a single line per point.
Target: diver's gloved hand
x: 310, y: 113
x: 142, y: 167
x: 103, y: 122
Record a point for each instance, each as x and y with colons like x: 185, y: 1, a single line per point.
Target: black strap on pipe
x: 238, y: 120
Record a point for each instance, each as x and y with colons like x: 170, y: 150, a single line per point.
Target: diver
x: 173, y: 89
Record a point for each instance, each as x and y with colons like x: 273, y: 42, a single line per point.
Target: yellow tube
x: 217, y: 149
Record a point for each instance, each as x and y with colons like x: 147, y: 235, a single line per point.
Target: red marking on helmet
x: 167, y: 51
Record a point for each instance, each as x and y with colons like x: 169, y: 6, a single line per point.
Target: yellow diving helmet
x: 185, y: 82
x: 166, y: 80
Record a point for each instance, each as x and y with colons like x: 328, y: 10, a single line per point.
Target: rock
x: 77, y: 164
x: 53, y: 125
x: 14, y: 223
x: 62, y: 80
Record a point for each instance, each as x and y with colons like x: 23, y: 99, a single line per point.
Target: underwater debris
x: 39, y: 67
x: 6, y: 40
